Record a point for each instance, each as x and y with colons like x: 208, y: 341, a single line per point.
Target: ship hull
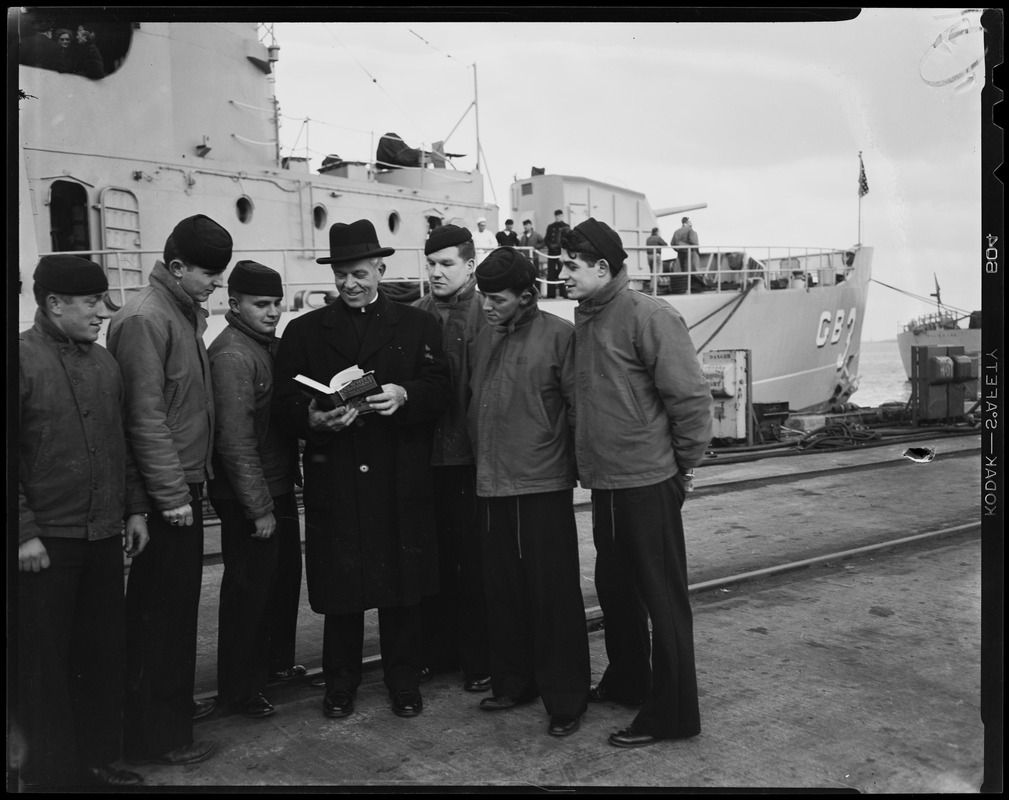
x: 968, y: 338
x: 804, y: 343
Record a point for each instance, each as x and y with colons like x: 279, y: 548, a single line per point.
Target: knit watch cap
x: 605, y: 240
x: 203, y: 242
x: 505, y: 268
x: 70, y: 275
x: 251, y: 277
x: 446, y: 236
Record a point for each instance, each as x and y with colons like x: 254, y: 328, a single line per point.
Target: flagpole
x: 861, y: 170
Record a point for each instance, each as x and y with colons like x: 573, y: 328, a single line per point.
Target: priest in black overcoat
x: 370, y: 540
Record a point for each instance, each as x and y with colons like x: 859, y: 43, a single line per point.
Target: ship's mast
x: 476, y: 114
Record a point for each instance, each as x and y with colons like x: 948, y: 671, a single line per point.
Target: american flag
x: 863, y: 184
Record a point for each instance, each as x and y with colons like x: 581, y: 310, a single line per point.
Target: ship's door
x: 68, y: 217
x: 120, y: 220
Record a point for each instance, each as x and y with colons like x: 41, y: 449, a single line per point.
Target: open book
x: 348, y: 388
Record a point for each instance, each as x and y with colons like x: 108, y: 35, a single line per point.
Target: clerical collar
x: 362, y: 309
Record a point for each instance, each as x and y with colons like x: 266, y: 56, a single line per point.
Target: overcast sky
x: 761, y: 121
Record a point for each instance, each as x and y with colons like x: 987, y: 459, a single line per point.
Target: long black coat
x: 370, y: 539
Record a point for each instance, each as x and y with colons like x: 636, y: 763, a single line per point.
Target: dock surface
x: 851, y: 673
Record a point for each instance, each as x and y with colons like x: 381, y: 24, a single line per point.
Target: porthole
x: 319, y: 217
x: 393, y: 222
x: 244, y: 209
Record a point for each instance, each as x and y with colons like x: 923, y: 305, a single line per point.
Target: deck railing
x: 653, y: 270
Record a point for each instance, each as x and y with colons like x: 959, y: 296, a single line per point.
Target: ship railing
x: 935, y: 320
x: 653, y: 270
x: 662, y: 270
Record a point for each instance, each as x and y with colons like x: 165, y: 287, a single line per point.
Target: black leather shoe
x: 407, y: 703
x: 338, y: 703
x: 111, y: 777
x: 180, y: 756
x: 632, y: 737
x: 289, y: 674
x: 502, y: 702
x: 564, y: 724
x: 598, y: 694
x: 255, y: 707
x: 318, y: 682
x: 481, y: 683
x: 203, y: 708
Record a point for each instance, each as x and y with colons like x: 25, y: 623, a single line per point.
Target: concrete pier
x: 858, y: 674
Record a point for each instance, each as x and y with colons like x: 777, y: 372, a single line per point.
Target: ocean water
x: 881, y: 377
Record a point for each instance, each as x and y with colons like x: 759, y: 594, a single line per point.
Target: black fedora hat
x: 353, y: 242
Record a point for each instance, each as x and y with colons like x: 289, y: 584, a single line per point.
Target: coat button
x: 363, y: 468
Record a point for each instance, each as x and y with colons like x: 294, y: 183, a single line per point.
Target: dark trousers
x: 260, y: 594
x: 641, y: 574
x: 400, y: 640
x: 553, y: 274
x: 455, y: 619
x: 162, y: 609
x: 70, y: 648
x: 539, y: 642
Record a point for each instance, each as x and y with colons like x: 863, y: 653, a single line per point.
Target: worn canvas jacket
x: 254, y: 461
x: 73, y: 463
x: 157, y: 338
x: 465, y: 320
x: 520, y: 415
x: 643, y: 405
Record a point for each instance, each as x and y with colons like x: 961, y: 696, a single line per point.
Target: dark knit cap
x: 71, y: 275
x: 250, y: 277
x: 604, y: 239
x: 203, y: 242
x: 446, y: 236
x: 505, y: 268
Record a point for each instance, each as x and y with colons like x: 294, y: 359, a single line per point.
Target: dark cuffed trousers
x: 455, y: 619
x: 641, y: 575
x: 70, y: 648
x: 400, y: 640
x: 539, y: 642
x: 162, y: 611
x: 260, y: 595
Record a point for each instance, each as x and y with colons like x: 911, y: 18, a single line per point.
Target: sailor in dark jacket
x: 643, y: 422
x: 76, y: 483
x: 252, y: 490
x: 455, y: 620
x: 157, y: 338
x: 521, y: 416
x: 369, y: 523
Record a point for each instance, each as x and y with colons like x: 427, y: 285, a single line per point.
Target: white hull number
x: 831, y: 326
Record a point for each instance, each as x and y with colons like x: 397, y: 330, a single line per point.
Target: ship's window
x: 393, y: 222
x: 88, y: 42
x: 527, y: 188
x: 244, y: 209
x: 120, y: 224
x: 68, y: 217
x: 319, y: 217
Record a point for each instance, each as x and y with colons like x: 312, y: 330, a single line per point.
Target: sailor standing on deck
x: 643, y: 422
x: 370, y: 539
x: 76, y: 483
x: 157, y: 338
x: 455, y: 620
x: 484, y: 239
x: 255, y: 465
x: 555, y: 231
